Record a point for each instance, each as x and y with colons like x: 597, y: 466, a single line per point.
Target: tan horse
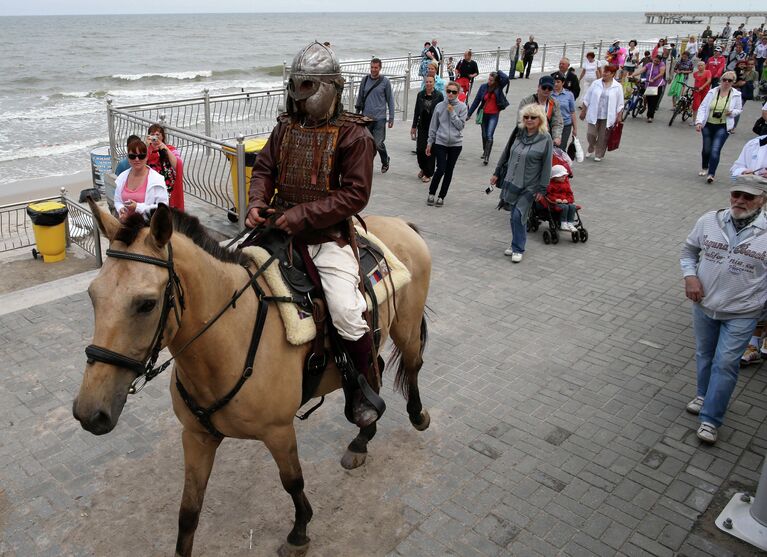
x: 128, y: 300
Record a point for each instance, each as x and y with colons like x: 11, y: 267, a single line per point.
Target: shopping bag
x: 480, y: 114
x: 578, y: 150
x: 520, y: 67
x: 614, y: 138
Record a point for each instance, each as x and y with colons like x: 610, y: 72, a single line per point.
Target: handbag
x: 480, y: 114
x: 614, y: 139
x: 760, y: 126
x: 651, y: 91
x: 578, y: 150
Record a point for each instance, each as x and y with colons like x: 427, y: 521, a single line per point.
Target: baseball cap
x: 718, y: 49
x: 616, y: 41
x: 750, y: 183
x: 546, y: 80
x: 558, y: 170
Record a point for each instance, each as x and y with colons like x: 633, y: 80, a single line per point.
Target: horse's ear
x: 106, y: 222
x: 161, y: 226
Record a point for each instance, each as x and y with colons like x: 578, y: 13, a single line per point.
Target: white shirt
x: 736, y: 106
x: 614, y: 102
x: 761, y: 50
x: 752, y: 157
x: 591, y: 69
x: 156, y: 192
x: 604, y: 100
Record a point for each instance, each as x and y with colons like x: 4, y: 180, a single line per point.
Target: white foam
x: 51, y: 150
x: 169, y: 75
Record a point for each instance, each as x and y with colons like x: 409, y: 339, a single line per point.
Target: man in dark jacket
x: 316, y: 172
x: 572, y: 83
x: 529, y: 49
x: 468, y: 68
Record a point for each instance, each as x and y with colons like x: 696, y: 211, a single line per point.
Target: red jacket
x: 716, y: 65
x: 560, y: 190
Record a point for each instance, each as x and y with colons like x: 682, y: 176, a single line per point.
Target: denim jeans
x: 489, y: 123
x: 567, y: 212
x: 719, y: 344
x: 714, y: 136
x: 446, y: 159
x: 378, y: 131
x: 518, y: 231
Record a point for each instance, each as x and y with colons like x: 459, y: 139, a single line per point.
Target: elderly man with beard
x: 550, y: 107
x: 724, y: 263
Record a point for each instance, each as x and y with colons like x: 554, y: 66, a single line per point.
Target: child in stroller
x: 560, y: 216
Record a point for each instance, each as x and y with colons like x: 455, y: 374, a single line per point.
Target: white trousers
x: 339, y: 275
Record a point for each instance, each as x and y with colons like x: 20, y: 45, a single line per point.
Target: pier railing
x: 81, y: 228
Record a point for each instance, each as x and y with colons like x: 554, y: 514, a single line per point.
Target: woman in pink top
x: 138, y: 189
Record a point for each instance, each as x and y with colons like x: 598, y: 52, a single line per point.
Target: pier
x: 697, y: 17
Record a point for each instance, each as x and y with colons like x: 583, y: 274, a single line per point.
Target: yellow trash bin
x: 253, y: 147
x: 49, y: 225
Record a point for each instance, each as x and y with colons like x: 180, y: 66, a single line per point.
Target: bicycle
x: 636, y: 103
x: 684, y: 104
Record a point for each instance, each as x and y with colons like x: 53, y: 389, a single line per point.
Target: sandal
x: 425, y: 179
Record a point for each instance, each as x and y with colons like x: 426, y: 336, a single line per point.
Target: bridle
x: 173, y: 297
x: 146, y: 370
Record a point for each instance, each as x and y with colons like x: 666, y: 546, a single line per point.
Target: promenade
x: 556, y: 389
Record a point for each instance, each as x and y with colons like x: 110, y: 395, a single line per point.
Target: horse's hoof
x: 425, y: 421
x: 289, y: 550
x: 352, y: 460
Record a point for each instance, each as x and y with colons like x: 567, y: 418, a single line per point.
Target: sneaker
x: 750, y: 356
x: 440, y: 202
x: 589, y: 155
x: 508, y: 251
x: 763, y: 349
x: 430, y: 200
x: 703, y: 172
x: 710, y: 179
x: 694, y: 406
x: 572, y: 226
x: 565, y: 226
x: 597, y: 159
x: 516, y: 257
x: 707, y: 433
x: 649, y: 120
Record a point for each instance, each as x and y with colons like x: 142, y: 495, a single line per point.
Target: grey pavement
x: 556, y: 386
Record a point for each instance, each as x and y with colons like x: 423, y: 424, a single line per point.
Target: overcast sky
x: 51, y: 7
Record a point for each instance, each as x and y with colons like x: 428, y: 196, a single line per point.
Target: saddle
x: 303, y: 310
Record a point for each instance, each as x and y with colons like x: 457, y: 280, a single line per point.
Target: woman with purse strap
x: 489, y: 102
x: 656, y: 79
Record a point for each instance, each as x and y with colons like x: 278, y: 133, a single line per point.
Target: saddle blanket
x: 299, y: 325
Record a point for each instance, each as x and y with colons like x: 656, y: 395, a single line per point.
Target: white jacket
x: 156, y: 192
x: 752, y: 157
x: 614, y: 101
x: 735, y: 107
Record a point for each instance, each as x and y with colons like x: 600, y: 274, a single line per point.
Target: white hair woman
x: 715, y: 119
x: 524, y: 170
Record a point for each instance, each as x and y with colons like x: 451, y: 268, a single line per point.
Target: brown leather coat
x: 350, y: 184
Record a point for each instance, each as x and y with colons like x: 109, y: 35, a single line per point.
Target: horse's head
x: 128, y: 297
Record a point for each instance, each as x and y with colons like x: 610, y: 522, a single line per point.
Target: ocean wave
x: 50, y: 113
x: 51, y: 150
x: 170, y: 75
x: 100, y: 94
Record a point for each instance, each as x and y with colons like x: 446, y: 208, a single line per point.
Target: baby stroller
x: 547, y: 211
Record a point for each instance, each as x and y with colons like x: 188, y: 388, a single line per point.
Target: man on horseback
x: 314, y: 175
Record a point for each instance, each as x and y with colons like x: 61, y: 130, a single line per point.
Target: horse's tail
x: 402, y: 376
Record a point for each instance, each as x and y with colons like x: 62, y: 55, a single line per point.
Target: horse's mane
x: 189, y: 226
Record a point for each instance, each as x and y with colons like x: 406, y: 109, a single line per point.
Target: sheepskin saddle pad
x: 385, y: 275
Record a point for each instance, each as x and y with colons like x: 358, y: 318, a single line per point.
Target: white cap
x: 558, y: 170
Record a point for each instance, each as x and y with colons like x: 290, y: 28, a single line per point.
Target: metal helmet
x: 315, y: 78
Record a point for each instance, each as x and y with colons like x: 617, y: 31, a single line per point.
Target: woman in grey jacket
x: 524, y: 170
x: 446, y: 140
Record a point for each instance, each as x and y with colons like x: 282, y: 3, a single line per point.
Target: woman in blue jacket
x: 491, y: 100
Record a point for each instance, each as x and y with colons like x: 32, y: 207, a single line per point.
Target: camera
x: 154, y: 138
x: 718, y: 113
x: 489, y: 189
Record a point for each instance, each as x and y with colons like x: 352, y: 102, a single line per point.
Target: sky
x: 57, y: 7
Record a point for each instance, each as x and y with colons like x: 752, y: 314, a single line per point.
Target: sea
x: 58, y: 71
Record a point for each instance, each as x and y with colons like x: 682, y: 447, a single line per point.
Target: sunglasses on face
x: 742, y: 194
x: 546, y: 88
x: 452, y: 92
x: 728, y: 80
x: 139, y: 156
x: 528, y: 117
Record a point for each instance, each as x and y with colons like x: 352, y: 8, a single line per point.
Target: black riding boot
x: 360, y: 352
x: 488, y: 148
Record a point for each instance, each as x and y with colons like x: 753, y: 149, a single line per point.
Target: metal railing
x: 81, y: 228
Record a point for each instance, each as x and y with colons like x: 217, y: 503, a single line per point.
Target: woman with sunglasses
x: 446, y: 141
x: 715, y: 120
x: 138, y: 189
x: 524, y: 171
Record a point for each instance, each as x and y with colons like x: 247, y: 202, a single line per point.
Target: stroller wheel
x: 575, y: 237
x: 584, y: 234
x: 546, y: 237
x: 554, y: 238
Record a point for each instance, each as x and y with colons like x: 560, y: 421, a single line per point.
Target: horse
x: 169, y: 284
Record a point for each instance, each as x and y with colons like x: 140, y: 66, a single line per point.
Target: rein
x: 146, y: 370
